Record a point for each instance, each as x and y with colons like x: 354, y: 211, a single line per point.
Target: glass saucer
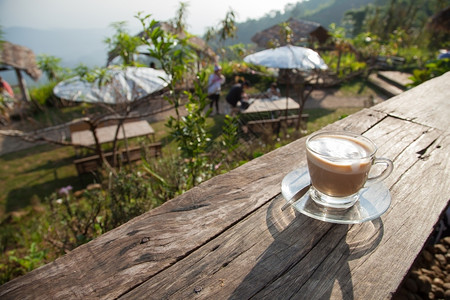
x: 373, y: 201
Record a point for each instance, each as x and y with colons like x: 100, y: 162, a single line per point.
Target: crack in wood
x: 131, y: 233
x: 426, y: 152
x: 188, y: 208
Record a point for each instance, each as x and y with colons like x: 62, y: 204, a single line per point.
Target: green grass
x: 28, y: 176
x: 356, y: 87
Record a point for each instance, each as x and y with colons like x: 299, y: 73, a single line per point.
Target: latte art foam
x: 339, y: 148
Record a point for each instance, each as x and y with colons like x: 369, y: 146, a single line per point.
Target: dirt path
x: 329, y: 98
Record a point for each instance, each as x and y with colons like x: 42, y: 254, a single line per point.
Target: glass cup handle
x: 386, y: 172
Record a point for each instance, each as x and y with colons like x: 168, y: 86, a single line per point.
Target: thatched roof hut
x: 302, y: 31
x: 19, y: 58
x: 441, y: 20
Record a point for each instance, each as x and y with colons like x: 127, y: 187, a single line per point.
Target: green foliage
x: 226, y: 29
x: 230, y: 138
x: 21, y: 264
x: 123, y: 44
x: 179, y: 22
x: 348, y: 63
x: 51, y: 67
x: 74, y: 221
x: 172, y: 53
x: 191, y: 135
x: 30, y: 261
x: 432, y: 69
x: 188, y: 131
x: 129, y: 196
x: 43, y: 94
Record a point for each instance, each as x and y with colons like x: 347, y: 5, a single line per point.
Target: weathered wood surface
x: 228, y: 238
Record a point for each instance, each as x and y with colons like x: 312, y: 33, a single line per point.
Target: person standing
x: 235, y: 95
x: 215, y: 82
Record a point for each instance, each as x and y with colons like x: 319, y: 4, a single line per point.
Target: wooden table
x: 229, y: 239
x: 106, y: 134
x: 269, y: 105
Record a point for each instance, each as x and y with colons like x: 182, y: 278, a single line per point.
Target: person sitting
x: 273, y: 92
x: 235, y: 95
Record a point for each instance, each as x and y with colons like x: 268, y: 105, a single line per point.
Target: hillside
x: 324, y: 12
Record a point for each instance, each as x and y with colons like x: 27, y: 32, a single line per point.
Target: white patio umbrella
x: 125, y: 85
x: 288, y: 57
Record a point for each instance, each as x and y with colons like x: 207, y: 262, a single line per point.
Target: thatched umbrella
x: 20, y: 59
x: 302, y: 30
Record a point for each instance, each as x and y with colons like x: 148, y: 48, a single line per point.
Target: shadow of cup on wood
x: 307, y: 258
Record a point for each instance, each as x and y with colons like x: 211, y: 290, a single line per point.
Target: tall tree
x: 227, y: 29
x: 179, y: 21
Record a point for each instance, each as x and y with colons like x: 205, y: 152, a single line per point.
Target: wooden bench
x: 268, y: 126
x: 228, y: 238
x: 93, y: 163
x: 293, y: 119
x: 389, y: 62
x: 272, y: 126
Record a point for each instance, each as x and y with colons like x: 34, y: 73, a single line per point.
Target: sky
x: 84, y: 14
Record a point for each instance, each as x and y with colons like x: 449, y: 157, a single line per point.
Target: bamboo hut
x: 19, y: 58
x: 303, y: 31
x: 441, y: 21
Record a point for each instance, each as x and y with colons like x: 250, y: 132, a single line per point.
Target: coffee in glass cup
x: 339, y: 163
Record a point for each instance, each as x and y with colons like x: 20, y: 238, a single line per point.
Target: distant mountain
x: 73, y: 46
x: 323, y: 12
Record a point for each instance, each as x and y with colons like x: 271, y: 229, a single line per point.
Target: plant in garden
x: 432, y: 69
x: 21, y: 264
x: 226, y: 29
x: 129, y: 195
x: 30, y: 261
x: 51, y: 67
x: 123, y: 44
x: 230, y: 139
x: 192, y: 136
x: 74, y: 221
x: 172, y: 53
x: 189, y: 131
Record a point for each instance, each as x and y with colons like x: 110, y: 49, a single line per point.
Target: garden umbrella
x: 122, y: 85
x: 288, y: 58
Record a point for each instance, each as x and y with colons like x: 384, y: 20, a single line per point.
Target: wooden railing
x: 229, y: 239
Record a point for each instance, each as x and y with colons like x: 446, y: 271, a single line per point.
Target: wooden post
x: 22, y: 85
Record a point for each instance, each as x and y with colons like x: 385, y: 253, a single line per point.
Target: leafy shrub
x: 43, y: 95
x: 432, y: 69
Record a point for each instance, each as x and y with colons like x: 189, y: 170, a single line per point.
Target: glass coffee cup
x: 339, y: 163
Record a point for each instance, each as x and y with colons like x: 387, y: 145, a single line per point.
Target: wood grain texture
x: 422, y: 105
x: 227, y: 238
